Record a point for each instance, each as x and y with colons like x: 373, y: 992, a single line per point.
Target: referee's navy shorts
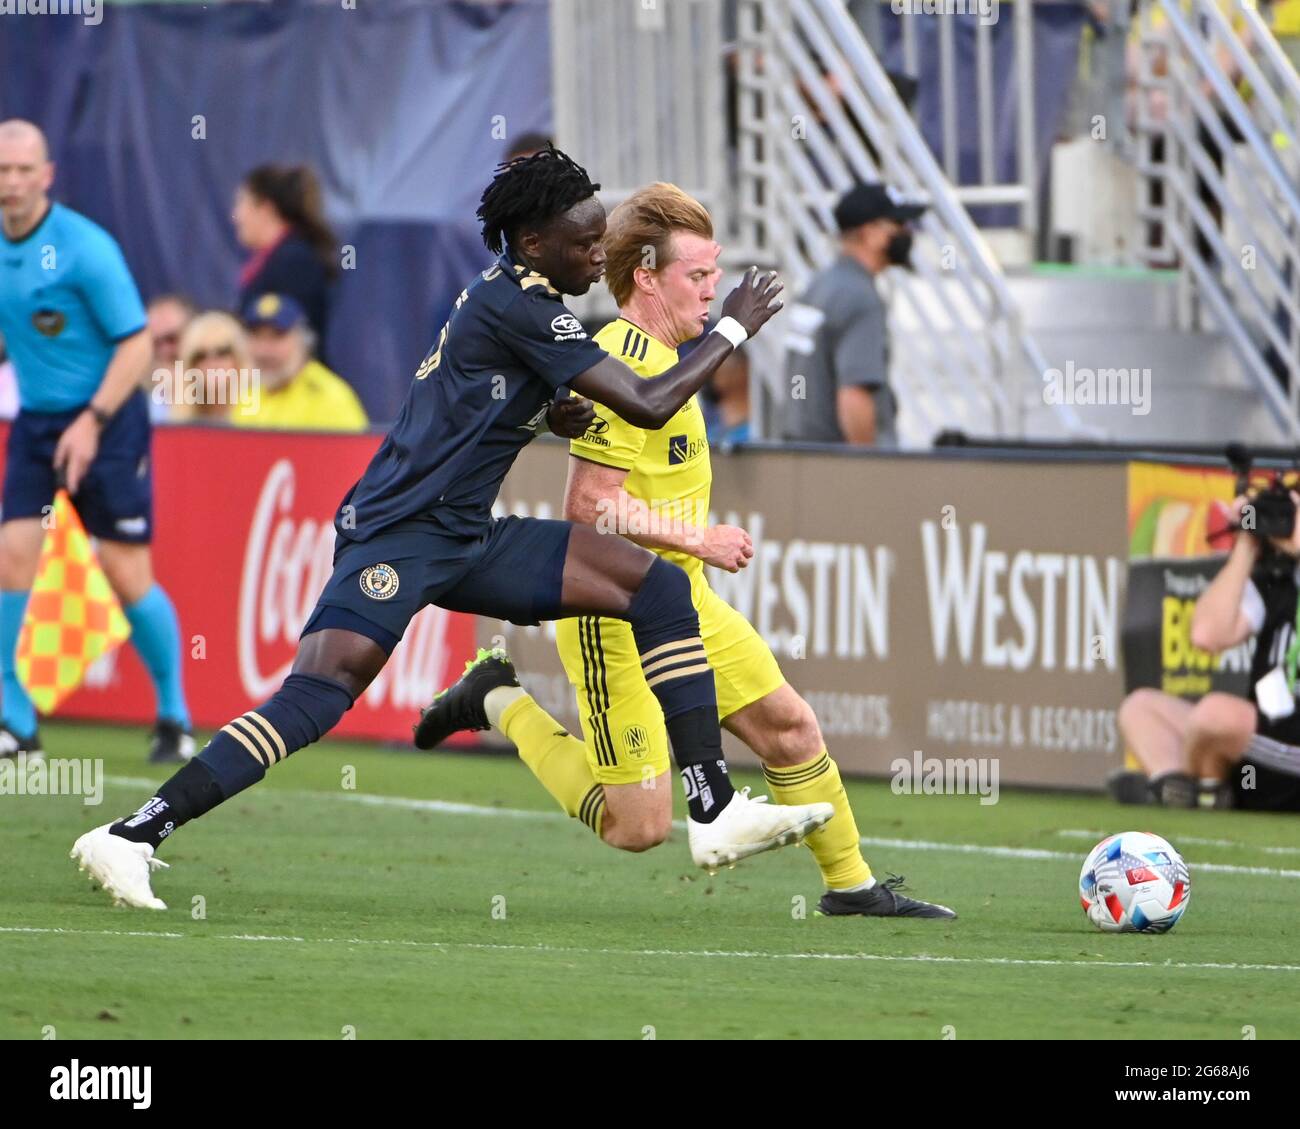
x: 512, y: 571
x: 115, y: 499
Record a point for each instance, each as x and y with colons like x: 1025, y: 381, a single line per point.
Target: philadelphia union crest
x: 379, y: 582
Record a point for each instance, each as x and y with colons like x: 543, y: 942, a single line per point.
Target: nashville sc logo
x: 635, y: 742
x: 682, y: 448
x: 380, y: 581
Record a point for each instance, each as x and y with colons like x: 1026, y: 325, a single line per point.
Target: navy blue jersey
x: 476, y: 399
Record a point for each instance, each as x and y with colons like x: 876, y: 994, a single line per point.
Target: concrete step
x: 1176, y: 360
x: 1095, y: 299
x: 1173, y: 387
x: 1191, y: 414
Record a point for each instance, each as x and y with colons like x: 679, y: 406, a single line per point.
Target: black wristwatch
x: 102, y: 417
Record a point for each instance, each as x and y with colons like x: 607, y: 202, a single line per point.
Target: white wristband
x: 733, y: 331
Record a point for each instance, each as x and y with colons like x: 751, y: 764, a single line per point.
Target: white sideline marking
x: 1082, y: 833
x: 90, y: 932
x: 446, y: 807
x: 740, y: 954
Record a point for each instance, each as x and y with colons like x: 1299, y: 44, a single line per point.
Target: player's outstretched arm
x: 652, y: 402
x: 594, y: 495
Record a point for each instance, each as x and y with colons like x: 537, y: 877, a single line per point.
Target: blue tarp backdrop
x: 394, y: 104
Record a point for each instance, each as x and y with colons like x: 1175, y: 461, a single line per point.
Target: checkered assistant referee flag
x: 73, y: 616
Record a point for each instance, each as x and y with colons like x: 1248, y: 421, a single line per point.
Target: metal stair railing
x: 819, y: 112
x: 1231, y: 208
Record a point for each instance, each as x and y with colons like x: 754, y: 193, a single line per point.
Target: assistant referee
x: 74, y: 325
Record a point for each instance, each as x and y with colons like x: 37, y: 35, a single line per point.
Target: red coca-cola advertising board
x: 243, y: 543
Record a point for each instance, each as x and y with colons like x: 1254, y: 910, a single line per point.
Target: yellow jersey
x: 667, y: 469
x: 314, y: 400
x: 1286, y: 19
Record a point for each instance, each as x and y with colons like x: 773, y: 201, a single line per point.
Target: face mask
x: 899, y: 250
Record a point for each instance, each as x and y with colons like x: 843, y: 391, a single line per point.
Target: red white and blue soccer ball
x: 1134, y: 882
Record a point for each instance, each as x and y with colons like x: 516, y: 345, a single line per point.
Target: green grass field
x: 444, y: 896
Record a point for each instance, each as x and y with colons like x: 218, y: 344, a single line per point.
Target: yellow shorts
x: 621, y: 720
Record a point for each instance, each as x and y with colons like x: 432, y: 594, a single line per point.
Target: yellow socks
x: 556, y: 758
x: 835, y: 845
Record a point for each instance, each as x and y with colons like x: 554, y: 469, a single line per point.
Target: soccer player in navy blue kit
x: 73, y: 322
x: 417, y: 528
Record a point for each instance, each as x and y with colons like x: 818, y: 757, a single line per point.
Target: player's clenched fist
x: 570, y: 418
x: 727, y: 546
x: 755, y: 300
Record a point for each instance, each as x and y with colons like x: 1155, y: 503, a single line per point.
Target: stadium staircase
x: 798, y: 106
x: 1220, y: 176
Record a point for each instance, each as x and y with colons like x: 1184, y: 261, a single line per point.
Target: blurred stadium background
x: 1106, y: 291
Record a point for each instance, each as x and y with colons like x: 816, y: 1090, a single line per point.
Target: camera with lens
x: 1271, y: 511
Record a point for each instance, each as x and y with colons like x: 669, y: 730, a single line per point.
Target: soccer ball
x: 1134, y: 882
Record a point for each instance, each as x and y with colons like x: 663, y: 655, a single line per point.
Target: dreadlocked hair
x: 531, y: 190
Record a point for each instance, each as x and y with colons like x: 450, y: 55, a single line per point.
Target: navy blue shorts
x: 115, y: 499
x: 514, y: 571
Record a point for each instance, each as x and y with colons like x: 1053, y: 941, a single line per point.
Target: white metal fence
x: 1220, y: 158
x: 641, y: 94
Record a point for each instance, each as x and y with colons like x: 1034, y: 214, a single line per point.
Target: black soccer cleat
x: 11, y: 744
x: 460, y: 706
x: 170, y: 743
x: 882, y: 900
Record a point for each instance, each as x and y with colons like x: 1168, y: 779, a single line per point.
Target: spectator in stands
x: 296, y: 392
x: 1284, y: 19
x: 168, y: 316
x: 837, y: 340
x: 1231, y: 751
x: 279, y: 217
x: 215, y: 365
x: 729, y: 391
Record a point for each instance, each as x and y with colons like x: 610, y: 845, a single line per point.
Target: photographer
x: 1235, y: 752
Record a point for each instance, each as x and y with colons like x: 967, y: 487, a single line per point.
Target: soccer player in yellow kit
x: 653, y: 487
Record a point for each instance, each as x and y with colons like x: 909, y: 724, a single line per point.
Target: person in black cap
x: 837, y: 340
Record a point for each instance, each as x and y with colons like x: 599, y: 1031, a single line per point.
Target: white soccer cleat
x: 750, y: 826
x: 120, y: 866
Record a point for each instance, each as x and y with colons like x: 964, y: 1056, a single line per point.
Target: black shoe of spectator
x: 1176, y: 790
x: 1217, y: 796
x: 1129, y: 787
